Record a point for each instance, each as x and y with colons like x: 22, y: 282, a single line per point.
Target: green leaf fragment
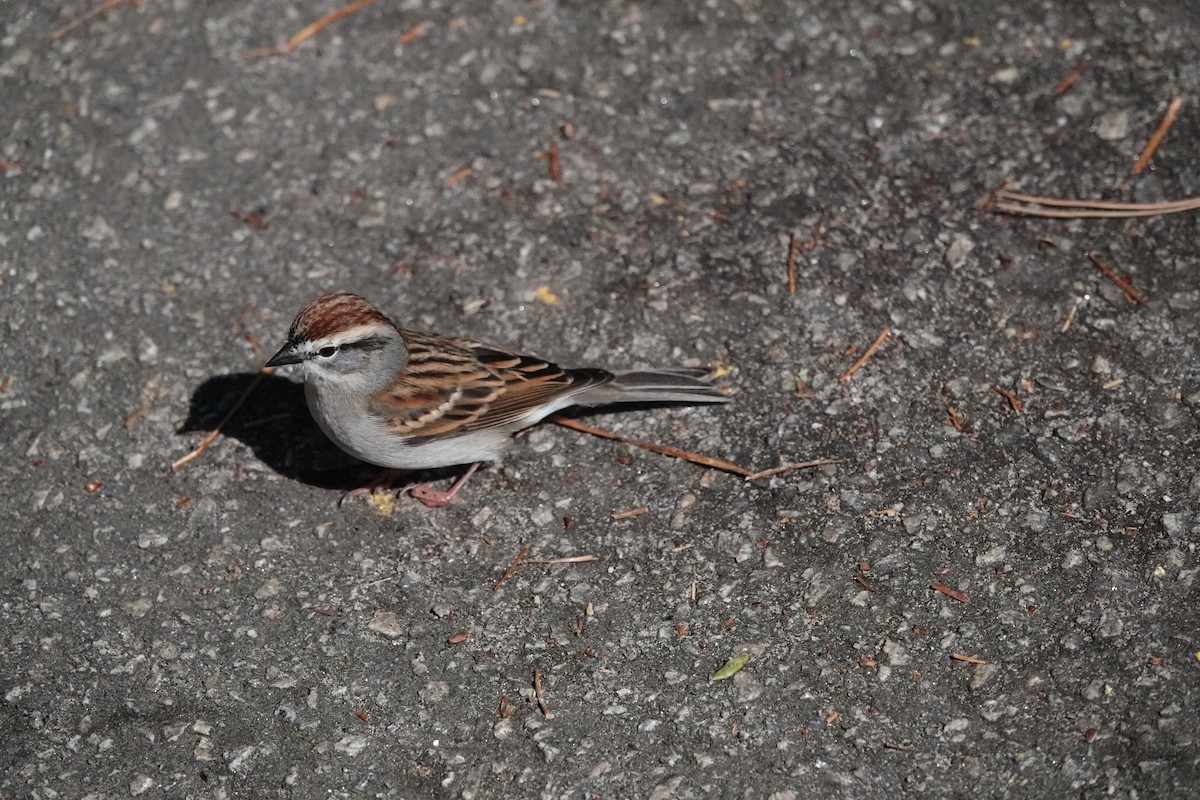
x: 731, y: 667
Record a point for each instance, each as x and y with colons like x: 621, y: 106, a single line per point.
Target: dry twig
x: 967, y: 658
x: 563, y: 559
x: 1013, y: 402
x: 215, y: 432
x: 537, y: 692
x: 863, y: 359
x: 793, y: 246
x: 1008, y: 202
x: 240, y: 322
x: 511, y: 568
x: 953, y: 594
x: 1070, y: 318
x: 1131, y: 295
x: 552, y: 160
x: 695, y: 458
x: 310, y: 30
x: 96, y: 11
x: 252, y: 340
x: 458, y: 175
x: 630, y: 514
x: 1072, y: 76
x: 412, y: 33
x: 1156, y: 138
x: 766, y: 473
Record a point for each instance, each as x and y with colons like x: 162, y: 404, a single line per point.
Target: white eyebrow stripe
x: 355, y: 334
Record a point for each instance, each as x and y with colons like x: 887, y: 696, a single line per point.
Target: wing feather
x: 449, y: 387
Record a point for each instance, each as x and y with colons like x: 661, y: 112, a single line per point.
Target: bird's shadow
x: 274, y: 423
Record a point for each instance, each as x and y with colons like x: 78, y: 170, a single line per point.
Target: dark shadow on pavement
x: 274, y: 423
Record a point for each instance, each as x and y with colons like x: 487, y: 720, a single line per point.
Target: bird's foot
x: 435, y: 498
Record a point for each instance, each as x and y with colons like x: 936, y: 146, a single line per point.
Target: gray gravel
x: 230, y: 630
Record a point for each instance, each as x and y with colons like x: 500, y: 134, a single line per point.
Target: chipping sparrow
x: 409, y: 400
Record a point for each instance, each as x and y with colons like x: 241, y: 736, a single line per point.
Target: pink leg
x: 436, y: 499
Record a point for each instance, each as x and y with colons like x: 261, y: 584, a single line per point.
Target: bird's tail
x: 679, y: 385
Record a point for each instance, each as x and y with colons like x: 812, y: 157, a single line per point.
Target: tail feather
x: 677, y: 385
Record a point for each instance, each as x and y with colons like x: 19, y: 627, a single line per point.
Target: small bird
x: 408, y: 400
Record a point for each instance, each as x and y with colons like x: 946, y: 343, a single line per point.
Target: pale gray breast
x: 344, y: 419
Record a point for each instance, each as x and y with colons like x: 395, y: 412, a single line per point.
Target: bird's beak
x: 285, y: 356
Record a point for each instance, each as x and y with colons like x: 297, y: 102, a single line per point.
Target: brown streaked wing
x: 529, y: 382
x: 442, y: 388
x: 453, y: 386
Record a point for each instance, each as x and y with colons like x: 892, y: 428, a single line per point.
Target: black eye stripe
x: 368, y: 344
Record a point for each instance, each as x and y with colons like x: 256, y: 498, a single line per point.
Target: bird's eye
x: 327, y: 351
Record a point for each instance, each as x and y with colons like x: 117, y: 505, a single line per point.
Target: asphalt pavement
x: 992, y: 592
